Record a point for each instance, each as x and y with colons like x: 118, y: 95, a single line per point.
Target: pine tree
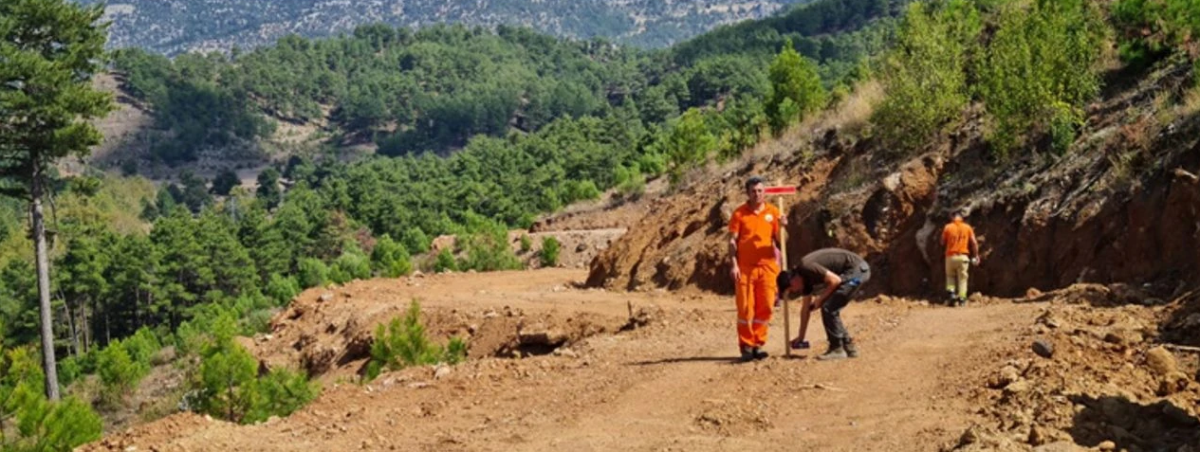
x: 51, y: 49
x: 795, y: 88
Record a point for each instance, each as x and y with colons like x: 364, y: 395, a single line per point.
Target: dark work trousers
x: 831, y: 311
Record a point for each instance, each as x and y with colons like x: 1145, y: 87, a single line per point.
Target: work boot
x: 747, y: 354
x: 836, y: 351
x: 851, y: 350
x: 759, y: 353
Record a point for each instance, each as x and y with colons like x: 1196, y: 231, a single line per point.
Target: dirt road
x: 671, y: 384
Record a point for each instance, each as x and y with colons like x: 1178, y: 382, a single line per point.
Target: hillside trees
x: 1033, y: 73
x: 925, y: 74
x: 1039, y: 70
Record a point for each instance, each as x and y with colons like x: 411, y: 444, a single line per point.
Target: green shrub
x: 118, y: 372
x: 281, y: 393
x: 445, y: 262
x: 549, y: 254
x: 403, y: 343
x: 313, y: 273
x: 34, y: 423
x: 416, y: 241
x: 258, y: 321
x: 142, y: 346
x: 351, y: 265
x: 526, y: 243
x: 390, y: 259
x: 228, y: 385
x: 282, y: 289
x: 688, y: 144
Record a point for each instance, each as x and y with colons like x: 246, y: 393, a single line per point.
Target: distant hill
x: 175, y: 26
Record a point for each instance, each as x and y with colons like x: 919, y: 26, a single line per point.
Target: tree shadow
x: 1158, y: 426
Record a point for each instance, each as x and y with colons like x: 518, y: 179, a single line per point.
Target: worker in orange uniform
x: 755, y: 228
x: 962, y: 251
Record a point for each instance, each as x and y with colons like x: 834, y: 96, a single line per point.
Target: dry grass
x: 853, y: 113
x: 850, y: 116
x: 1191, y: 102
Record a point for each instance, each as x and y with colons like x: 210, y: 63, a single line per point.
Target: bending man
x: 840, y: 274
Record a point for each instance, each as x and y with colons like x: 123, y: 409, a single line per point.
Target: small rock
x: 1017, y: 387
x: 131, y: 449
x: 418, y: 274
x: 1049, y: 319
x: 1172, y: 383
x: 1161, y: 361
x: 581, y: 248
x: 1038, y: 436
x: 1043, y: 348
x: 1106, y: 445
x: 366, y: 444
x: 1006, y: 376
x: 441, y: 372
x: 325, y: 297
x: 1033, y: 293
x: 563, y: 351
x: 1124, y: 337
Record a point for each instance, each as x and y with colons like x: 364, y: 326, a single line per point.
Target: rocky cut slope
x: 1121, y: 205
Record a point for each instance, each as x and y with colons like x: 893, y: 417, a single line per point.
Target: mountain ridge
x: 179, y: 26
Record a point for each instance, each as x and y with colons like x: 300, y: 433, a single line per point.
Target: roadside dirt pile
x: 1090, y: 371
x: 329, y: 332
x: 1121, y: 205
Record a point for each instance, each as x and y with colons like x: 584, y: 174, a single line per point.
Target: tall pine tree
x: 50, y: 51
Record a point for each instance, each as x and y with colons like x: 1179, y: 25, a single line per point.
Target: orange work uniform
x: 956, y: 237
x: 754, y: 233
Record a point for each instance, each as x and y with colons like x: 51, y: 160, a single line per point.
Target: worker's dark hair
x: 785, y: 279
x: 752, y: 181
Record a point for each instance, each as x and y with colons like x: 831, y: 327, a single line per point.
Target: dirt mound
x: 329, y: 332
x: 1090, y: 376
x: 1043, y: 221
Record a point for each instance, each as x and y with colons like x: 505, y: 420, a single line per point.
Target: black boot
x: 747, y: 354
x: 851, y: 350
x: 759, y: 353
x: 836, y: 351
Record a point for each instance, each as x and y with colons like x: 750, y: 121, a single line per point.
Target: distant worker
x: 840, y: 274
x: 962, y: 251
x: 755, y: 228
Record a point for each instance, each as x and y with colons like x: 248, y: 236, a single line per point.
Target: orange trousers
x: 755, y: 299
